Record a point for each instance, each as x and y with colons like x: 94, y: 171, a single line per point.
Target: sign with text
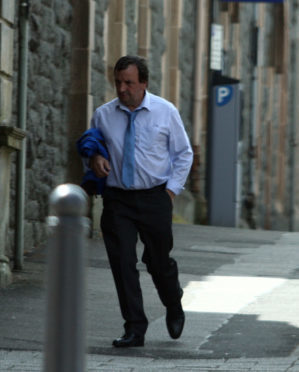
x: 216, y: 46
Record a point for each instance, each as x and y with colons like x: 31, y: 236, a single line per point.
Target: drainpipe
x: 293, y: 132
x: 22, y: 114
x: 250, y: 198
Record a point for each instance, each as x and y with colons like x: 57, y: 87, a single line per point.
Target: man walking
x: 149, y: 160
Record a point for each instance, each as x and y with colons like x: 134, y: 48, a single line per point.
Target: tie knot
x: 132, y: 115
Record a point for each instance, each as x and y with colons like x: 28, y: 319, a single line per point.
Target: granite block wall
x: 47, y: 112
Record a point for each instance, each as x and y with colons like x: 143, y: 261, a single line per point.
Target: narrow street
x: 241, y: 298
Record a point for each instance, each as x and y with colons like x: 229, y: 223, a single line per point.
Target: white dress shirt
x: 162, y: 149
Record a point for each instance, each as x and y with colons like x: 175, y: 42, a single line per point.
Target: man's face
x: 128, y: 87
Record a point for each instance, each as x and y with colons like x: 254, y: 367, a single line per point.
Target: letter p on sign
x: 223, y: 95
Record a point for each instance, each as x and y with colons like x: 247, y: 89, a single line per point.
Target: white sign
x: 216, y: 46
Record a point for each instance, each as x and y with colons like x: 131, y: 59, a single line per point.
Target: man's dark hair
x: 124, y: 62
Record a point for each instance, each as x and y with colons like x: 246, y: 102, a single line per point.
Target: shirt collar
x: 145, y: 104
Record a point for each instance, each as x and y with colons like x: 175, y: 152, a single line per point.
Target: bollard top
x: 68, y: 200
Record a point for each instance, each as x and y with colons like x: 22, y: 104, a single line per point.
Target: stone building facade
x: 261, y: 50
x: 72, y: 47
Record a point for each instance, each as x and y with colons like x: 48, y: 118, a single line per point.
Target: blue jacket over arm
x: 88, y: 145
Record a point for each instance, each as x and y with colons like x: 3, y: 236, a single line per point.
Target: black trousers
x: 149, y: 214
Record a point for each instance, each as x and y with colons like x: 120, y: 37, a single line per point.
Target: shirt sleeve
x: 181, y: 153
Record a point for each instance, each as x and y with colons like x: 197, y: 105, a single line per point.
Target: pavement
x: 241, y: 300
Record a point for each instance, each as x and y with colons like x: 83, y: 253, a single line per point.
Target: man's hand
x: 171, y: 194
x: 100, y: 166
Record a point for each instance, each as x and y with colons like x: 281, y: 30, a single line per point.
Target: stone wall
x: 98, y: 73
x: 187, y: 59
x: 47, y: 111
x: 157, y: 46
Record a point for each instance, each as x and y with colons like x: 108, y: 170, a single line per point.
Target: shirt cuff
x: 85, y: 162
x: 174, y: 186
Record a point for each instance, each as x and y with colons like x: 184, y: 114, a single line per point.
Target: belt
x: 153, y: 189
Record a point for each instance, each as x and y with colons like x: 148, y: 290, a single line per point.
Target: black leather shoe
x: 129, y: 340
x: 175, y: 320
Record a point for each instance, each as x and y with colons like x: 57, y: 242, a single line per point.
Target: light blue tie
x: 128, y: 164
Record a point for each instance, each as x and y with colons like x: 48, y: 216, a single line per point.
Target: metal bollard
x: 65, y: 332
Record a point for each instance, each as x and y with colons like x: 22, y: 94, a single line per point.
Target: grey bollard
x: 65, y: 331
